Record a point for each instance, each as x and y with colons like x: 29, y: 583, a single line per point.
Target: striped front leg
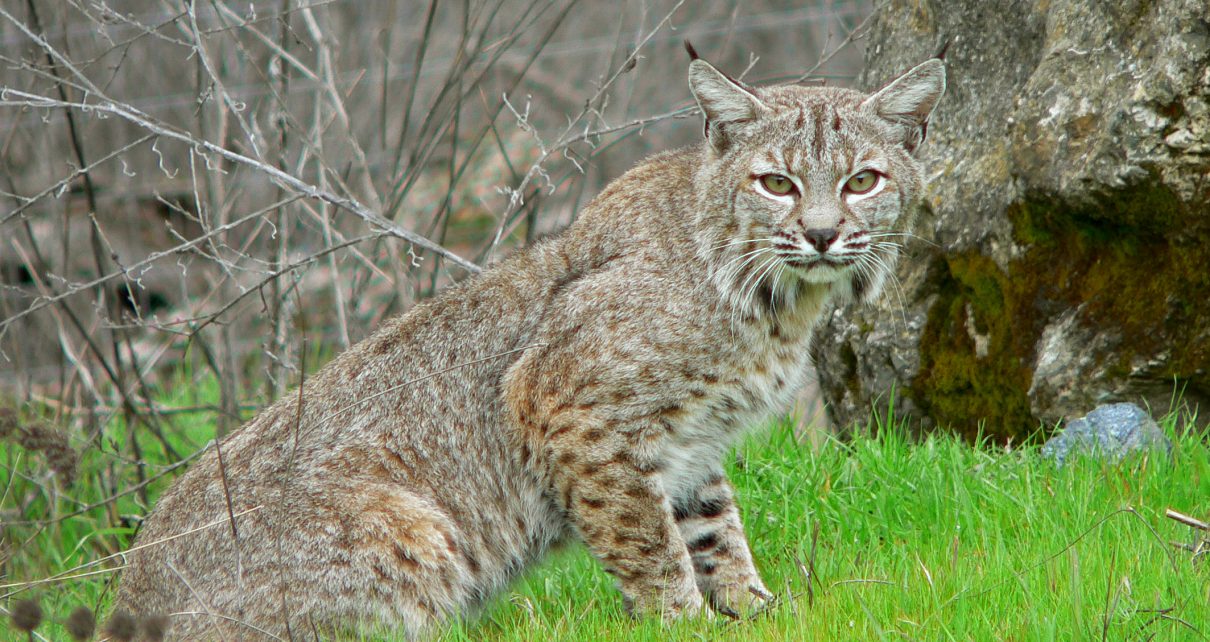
x: 709, y: 524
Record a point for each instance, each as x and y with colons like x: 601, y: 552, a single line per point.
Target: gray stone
x: 1111, y: 431
x: 1066, y: 227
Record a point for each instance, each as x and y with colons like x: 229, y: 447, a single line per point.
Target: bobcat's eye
x: 777, y: 184
x: 861, y: 182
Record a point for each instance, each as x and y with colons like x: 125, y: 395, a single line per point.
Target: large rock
x: 1066, y: 231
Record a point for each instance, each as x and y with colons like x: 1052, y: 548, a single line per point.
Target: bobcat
x: 587, y: 387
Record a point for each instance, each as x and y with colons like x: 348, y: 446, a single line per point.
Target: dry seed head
x: 81, y: 624
x: 40, y: 437
x: 154, y: 627
x: 121, y: 626
x: 26, y: 615
x: 8, y: 421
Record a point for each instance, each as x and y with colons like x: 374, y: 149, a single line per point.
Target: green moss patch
x: 1138, y: 260
x: 972, y: 365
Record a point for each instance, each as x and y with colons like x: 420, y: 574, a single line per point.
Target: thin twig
x: 22, y: 586
x: 112, y: 498
x: 1186, y: 520
x: 134, y: 116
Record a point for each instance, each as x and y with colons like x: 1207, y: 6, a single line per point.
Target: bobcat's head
x: 809, y: 185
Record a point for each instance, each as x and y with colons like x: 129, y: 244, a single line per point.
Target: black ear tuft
x: 692, y: 52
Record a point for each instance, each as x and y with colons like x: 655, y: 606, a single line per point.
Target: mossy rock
x: 1068, y: 217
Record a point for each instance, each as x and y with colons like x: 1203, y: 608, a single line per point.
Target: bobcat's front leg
x: 709, y: 523
x: 614, y: 497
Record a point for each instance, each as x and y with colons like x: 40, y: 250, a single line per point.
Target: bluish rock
x: 1111, y: 431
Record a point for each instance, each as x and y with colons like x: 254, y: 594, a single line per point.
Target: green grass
x: 926, y: 540
x: 935, y: 540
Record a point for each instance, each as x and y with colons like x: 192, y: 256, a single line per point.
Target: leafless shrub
x: 198, y: 186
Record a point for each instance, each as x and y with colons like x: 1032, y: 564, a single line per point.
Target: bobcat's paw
x: 669, y: 604
x: 740, y: 599
x: 692, y: 604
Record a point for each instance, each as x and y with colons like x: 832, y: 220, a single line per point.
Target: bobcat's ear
x: 909, y: 99
x: 723, y: 101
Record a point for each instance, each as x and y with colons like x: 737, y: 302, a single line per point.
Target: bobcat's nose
x: 821, y: 238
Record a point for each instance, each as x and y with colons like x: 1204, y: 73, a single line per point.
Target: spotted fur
x: 585, y: 388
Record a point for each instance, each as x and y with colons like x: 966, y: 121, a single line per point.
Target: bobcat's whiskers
x: 879, y: 267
